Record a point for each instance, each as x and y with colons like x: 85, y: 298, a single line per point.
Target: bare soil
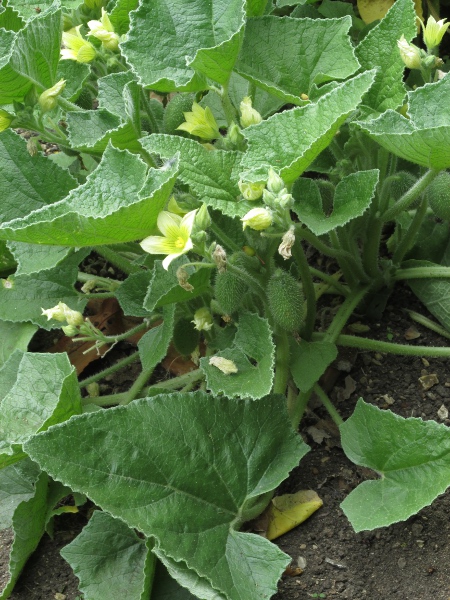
x: 408, y: 561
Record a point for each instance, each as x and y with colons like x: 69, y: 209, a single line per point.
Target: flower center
x: 179, y: 242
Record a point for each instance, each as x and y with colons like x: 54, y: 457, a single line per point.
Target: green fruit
x: 185, y: 337
x: 438, y: 193
x: 229, y: 291
x: 174, y: 113
x: 286, y: 300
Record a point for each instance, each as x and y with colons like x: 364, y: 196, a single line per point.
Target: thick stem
x: 426, y: 322
x: 117, y: 260
x: 113, y: 339
x: 371, y: 250
x: 149, y: 112
x: 298, y: 408
x: 410, y: 236
x: 408, y: 197
x: 137, y: 386
x: 308, y: 289
x: 344, y: 313
x: 422, y: 273
x: 328, y: 405
x: 330, y: 280
x: 112, y: 369
x: 281, y: 362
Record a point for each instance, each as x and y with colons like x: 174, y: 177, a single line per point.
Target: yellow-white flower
x: 176, y: 238
x: 258, y: 219
x: 433, y: 32
x: 48, y: 99
x: 251, y: 191
x: 200, y: 122
x: 61, y: 312
x: 103, y: 30
x: 76, y: 47
x: 249, y: 116
x: 409, y: 53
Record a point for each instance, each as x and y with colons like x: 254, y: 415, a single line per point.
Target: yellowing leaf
x: 372, y: 10
x: 288, y: 511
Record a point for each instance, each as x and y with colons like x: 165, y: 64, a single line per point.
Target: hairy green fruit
x: 286, y: 300
x: 438, y: 194
x: 185, y: 337
x: 174, y: 113
x: 229, y: 291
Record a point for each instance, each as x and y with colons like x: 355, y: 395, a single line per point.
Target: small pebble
x: 401, y: 563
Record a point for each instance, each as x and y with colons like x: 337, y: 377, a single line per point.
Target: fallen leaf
x: 411, y: 333
x: 288, y: 511
x: 318, y: 435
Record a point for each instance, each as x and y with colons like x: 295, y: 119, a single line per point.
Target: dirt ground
x: 408, y: 561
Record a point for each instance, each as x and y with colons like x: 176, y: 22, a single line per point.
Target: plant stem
x: 117, y: 260
x: 228, y: 108
x: 422, y: 273
x: 281, y: 362
x: 328, y: 405
x: 149, y: 112
x: 224, y: 238
x: 112, y: 369
x: 418, y: 318
x: 308, y: 289
x: 409, y: 237
x: 298, y: 408
x: 113, y: 339
x: 137, y: 386
x: 340, y: 288
x: 408, y: 197
x: 344, y: 312
x: 97, y: 295
x: 371, y: 249
x: 351, y: 341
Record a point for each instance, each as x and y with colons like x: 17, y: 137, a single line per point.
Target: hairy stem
x: 334, y: 414
x: 408, y: 197
x: 308, y: 289
x: 112, y: 369
x: 117, y: 260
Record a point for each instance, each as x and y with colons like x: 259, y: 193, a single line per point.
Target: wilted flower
x: 288, y: 240
x: 433, y: 31
x: 76, y: 47
x: 200, y: 122
x: 203, y: 319
x: 5, y: 120
x: 219, y: 256
x: 176, y: 239
x: 61, y: 312
x: 409, y: 53
x: 257, y: 218
x: 183, y: 279
x: 49, y: 98
x: 103, y: 30
x: 223, y: 364
x: 251, y: 191
x: 249, y: 116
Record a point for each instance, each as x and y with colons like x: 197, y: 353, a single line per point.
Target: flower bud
x: 202, y: 319
x: 61, y: 312
x: 103, y: 30
x: 69, y: 330
x: 249, y: 116
x: 285, y: 200
x: 5, y: 120
x: 258, y: 219
x: 433, y: 32
x: 274, y: 183
x: 409, y: 53
x: 251, y: 191
x: 202, y: 219
x: 49, y: 98
x: 223, y: 364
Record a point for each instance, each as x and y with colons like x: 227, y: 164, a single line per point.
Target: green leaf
x: 75, y: 74
x: 379, y: 49
x: 309, y: 361
x: 253, y: 353
x: 312, y: 127
x: 7, y: 261
x: 10, y: 18
x: 153, y: 345
x: 286, y: 56
x: 23, y: 297
x: 411, y: 456
x: 424, y: 137
x: 434, y: 293
x: 111, y: 92
x: 14, y: 336
x: 166, y: 588
x: 28, y: 525
x: 132, y: 292
x: 256, y: 8
x: 211, y: 175
x: 120, y: 15
x: 119, y: 202
x: 27, y: 8
x: 204, y: 38
x: 233, y: 453
x: 28, y: 183
x: 164, y: 287
x: 352, y: 198
x: 34, y: 56
x: 17, y: 484
x: 44, y: 392
x: 32, y: 258
x: 110, y: 560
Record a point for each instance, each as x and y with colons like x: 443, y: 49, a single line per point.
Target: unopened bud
x: 70, y: 330
x: 409, y: 53
x: 202, y: 219
x: 274, y: 183
x: 251, y: 191
x: 61, y: 312
x: 249, y: 116
x: 258, y: 219
x: 49, y: 98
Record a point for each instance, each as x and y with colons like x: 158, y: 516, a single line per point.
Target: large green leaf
x: 352, y: 198
x: 291, y: 140
x: 212, y: 175
x: 253, y: 353
x: 119, y: 202
x: 423, y: 137
x: 309, y: 361
x: 17, y: 484
x: 379, y: 49
x: 204, y: 37
x: 27, y: 8
x: 187, y: 469
x: 33, y: 258
x: 286, y: 56
x: 411, y: 457
x: 14, y: 336
x: 154, y: 344
x: 45, y: 391
x: 120, y: 15
x: 433, y: 292
x: 33, y: 57
x: 132, y: 292
x: 10, y: 18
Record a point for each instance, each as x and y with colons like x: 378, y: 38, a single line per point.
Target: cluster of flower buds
x: 416, y: 58
x: 63, y: 313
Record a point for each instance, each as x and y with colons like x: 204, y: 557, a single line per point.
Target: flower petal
x: 187, y: 222
x: 156, y: 244
x: 166, y: 262
x: 169, y: 224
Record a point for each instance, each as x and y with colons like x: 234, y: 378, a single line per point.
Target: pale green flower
x: 176, y: 238
x: 202, y: 319
x: 5, y: 120
x: 61, y: 312
x: 103, y: 30
x: 258, y: 219
x: 409, y: 53
x: 200, y: 122
x: 433, y: 31
x: 76, y: 47
x: 49, y: 98
x: 251, y: 191
x: 249, y: 116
